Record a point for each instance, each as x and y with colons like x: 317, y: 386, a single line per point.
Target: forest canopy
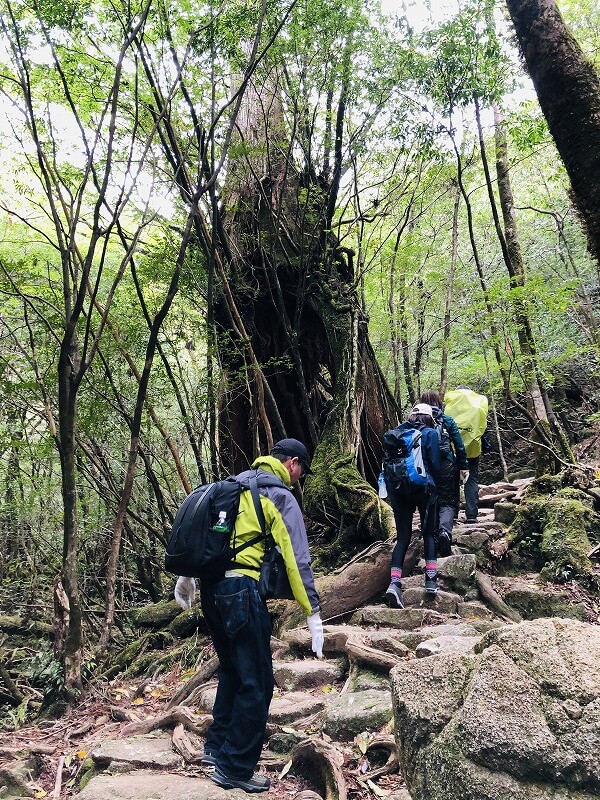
x: 225, y: 224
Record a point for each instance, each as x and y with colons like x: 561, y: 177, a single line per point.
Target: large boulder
x: 517, y: 720
x: 553, y: 526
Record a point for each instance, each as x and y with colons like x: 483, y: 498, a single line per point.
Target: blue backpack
x: 403, y: 465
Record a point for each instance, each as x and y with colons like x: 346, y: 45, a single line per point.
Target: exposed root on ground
x: 204, y: 673
x: 183, y: 745
x: 179, y: 715
x: 392, y: 764
x: 321, y: 761
x: 493, y: 600
x: 363, y: 655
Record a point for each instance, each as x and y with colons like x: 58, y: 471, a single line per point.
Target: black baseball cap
x: 293, y: 448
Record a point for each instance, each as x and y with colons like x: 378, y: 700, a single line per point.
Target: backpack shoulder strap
x: 252, y: 485
x: 256, y: 500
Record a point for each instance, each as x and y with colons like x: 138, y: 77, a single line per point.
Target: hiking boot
x: 257, y: 783
x: 431, y: 586
x: 393, y: 596
x: 208, y: 760
x: 444, y: 543
x: 471, y: 520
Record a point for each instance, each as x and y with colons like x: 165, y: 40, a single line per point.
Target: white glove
x: 315, y: 626
x: 464, y: 475
x: 185, y: 592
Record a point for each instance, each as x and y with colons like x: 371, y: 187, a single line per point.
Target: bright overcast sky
x: 419, y: 12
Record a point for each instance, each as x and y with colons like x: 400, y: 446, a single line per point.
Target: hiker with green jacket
x: 239, y: 621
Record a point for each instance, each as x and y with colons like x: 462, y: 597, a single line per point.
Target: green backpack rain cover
x: 469, y: 411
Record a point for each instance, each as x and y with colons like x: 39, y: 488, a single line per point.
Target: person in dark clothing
x: 404, y: 503
x: 454, y: 467
x: 475, y: 424
x: 240, y: 624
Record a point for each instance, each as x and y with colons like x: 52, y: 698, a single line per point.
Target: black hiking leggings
x: 404, y: 507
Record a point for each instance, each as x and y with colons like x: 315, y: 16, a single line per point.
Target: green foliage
x: 12, y: 718
x: 46, y: 673
x: 462, y: 60
x: 61, y: 15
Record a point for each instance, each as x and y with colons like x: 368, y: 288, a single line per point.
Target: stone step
x: 292, y: 676
x: 443, y: 602
x: 149, y: 785
x: 404, y: 618
x: 335, y: 637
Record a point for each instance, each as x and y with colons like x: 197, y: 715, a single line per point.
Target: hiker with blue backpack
x: 410, y: 469
x: 236, y: 613
x: 454, y: 466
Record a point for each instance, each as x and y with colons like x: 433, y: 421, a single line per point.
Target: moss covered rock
x: 517, y: 720
x: 553, y: 526
x: 532, y: 602
x: 156, y: 615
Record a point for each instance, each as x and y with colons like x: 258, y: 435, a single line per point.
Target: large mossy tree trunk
x: 568, y: 89
x: 303, y: 366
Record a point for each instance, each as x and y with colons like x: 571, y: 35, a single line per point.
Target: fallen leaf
x: 286, y: 769
x: 81, y: 754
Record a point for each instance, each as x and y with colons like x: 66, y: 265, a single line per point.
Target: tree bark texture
x: 568, y: 90
x: 289, y: 299
x: 72, y: 650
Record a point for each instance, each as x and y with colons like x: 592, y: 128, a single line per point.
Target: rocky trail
x: 489, y: 689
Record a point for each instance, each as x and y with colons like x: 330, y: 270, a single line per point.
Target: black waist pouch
x: 273, y: 582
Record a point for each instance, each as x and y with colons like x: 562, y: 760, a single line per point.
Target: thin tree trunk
x: 117, y: 531
x: 394, y: 338
x: 404, y: 340
x: 72, y: 651
x: 495, y: 416
x: 449, y: 288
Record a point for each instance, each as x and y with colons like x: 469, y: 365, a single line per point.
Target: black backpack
x: 202, y: 541
x: 443, y: 435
